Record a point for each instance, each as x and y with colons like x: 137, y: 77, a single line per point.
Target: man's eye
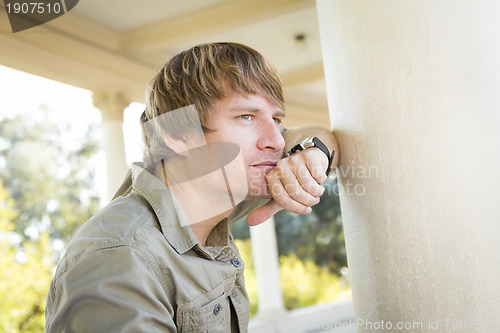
x: 277, y: 121
x: 246, y: 117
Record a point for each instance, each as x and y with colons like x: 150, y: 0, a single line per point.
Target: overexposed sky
x: 24, y: 93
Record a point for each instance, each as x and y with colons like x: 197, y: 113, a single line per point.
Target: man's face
x: 250, y: 121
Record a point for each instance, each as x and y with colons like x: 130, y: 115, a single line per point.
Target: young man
x: 160, y: 256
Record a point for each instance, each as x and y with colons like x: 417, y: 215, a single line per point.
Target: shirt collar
x: 173, y: 221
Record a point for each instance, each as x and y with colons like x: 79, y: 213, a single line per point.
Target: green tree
x: 46, y: 174
x: 46, y: 193
x: 304, y: 283
x: 25, y: 273
x: 317, y: 237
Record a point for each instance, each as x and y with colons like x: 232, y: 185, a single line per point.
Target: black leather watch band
x: 318, y: 143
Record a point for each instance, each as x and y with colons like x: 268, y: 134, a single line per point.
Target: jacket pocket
x: 214, y: 316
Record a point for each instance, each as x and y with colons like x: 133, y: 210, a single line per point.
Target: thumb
x: 263, y: 213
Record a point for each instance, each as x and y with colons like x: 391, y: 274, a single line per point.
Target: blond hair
x: 196, y: 77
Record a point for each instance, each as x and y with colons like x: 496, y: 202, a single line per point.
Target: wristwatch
x: 312, y: 141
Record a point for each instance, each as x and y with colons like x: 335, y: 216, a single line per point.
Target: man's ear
x: 178, y: 145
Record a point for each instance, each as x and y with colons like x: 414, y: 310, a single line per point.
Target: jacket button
x: 217, y: 309
x: 236, y: 262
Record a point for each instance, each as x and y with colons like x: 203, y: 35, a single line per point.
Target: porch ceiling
x: 110, y: 45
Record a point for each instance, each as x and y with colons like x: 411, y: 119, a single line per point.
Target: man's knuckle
x: 281, y: 163
x: 270, y: 176
x: 290, y: 187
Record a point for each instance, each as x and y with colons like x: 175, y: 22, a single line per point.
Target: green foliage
x: 25, y: 274
x: 302, y: 283
x: 43, y: 171
x: 45, y: 195
x: 317, y: 237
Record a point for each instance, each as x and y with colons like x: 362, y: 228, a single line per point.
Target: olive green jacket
x: 133, y: 268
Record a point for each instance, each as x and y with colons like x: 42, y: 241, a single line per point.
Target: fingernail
x: 308, y: 210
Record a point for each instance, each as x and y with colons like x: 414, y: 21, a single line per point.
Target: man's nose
x: 270, y: 137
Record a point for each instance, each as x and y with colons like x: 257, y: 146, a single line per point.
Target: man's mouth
x: 265, y: 166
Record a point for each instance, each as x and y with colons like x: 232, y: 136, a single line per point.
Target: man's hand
x: 295, y: 185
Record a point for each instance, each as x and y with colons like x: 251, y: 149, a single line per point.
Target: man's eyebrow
x: 278, y: 113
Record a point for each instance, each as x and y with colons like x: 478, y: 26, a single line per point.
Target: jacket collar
x: 173, y: 221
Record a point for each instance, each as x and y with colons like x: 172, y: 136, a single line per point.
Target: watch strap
x: 310, y: 142
x: 319, y: 144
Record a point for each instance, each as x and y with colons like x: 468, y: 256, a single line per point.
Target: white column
x: 266, y: 264
x: 414, y: 96
x: 112, y: 104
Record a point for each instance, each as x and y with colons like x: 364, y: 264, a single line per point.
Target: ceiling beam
x: 211, y: 20
x: 303, y: 75
x: 85, y: 29
x: 75, y: 26
x: 53, y: 52
x: 59, y: 67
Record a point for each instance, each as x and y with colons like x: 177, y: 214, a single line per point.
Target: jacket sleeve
x: 115, y: 289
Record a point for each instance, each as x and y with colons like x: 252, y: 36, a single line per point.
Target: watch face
x: 304, y: 144
x: 313, y: 141
x: 308, y: 139
x: 308, y: 142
